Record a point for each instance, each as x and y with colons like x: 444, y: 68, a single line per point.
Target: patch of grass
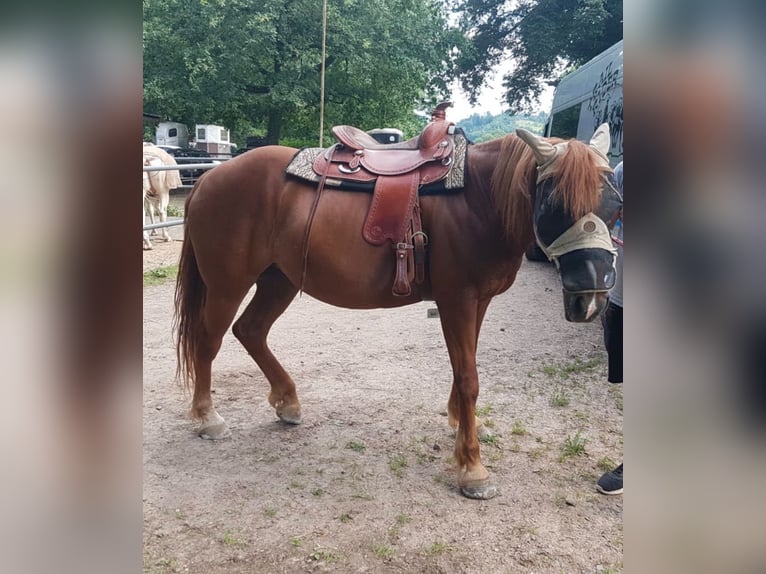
x: 549, y: 370
x: 231, y: 539
x: 296, y: 541
x: 160, y: 275
x: 490, y: 439
x: 382, y: 550
x: 518, y: 428
x: 438, y: 548
x: 485, y: 410
x: 357, y: 446
x: 563, y: 371
x: 174, y: 211
x: 397, y: 465
x: 579, y: 366
x: 536, y: 453
x: 324, y: 555
x: 573, y: 446
x: 606, y: 464
x: 403, y: 518
x: 559, y: 398
x: 296, y: 485
x: 345, y: 517
x: 270, y: 512
x: 317, y: 492
x: 489, y: 423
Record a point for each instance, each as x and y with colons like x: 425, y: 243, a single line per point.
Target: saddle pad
x: 302, y: 162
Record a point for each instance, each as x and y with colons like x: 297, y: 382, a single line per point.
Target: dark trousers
x: 611, y: 319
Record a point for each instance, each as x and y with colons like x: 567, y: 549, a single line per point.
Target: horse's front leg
x: 452, y: 404
x: 460, y: 320
x: 147, y: 243
x: 163, y: 209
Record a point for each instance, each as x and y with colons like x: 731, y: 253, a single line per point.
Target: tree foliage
x: 255, y: 66
x: 484, y: 127
x: 543, y: 38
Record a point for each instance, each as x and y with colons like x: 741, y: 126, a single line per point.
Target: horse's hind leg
x: 217, y: 315
x: 272, y: 296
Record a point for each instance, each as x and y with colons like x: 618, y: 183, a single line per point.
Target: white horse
x: 147, y: 188
x: 157, y: 186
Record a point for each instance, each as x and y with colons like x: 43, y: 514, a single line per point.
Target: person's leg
x: 611, y: 482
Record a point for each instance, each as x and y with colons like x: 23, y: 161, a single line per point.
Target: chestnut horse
x: 246, y: 223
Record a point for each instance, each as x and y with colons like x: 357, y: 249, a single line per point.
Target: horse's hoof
x: 290, y: 415
x: 480, y: 491
x: 213, y: 427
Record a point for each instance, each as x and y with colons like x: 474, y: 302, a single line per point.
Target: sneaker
x: 611, y: 482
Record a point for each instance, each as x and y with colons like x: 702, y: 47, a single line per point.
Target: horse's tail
x: 187, y: 319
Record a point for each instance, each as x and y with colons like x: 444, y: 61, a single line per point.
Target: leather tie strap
x: 312, y: 213
x: 419, y: 241
x: 401, y: 286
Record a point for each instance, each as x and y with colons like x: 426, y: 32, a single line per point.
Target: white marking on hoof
x: 213, y: 427
x: 481, y: 492
x: 292, y: 418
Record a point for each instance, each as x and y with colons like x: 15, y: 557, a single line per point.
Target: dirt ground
x: 366, y: 483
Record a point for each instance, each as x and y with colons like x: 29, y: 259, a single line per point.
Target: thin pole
x: 321, y: 88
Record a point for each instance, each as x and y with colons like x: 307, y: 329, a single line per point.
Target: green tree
x: 255, y: 65
x: 544, y: 38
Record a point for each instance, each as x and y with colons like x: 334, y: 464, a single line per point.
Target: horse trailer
x: 588, y: 97
x: 173, y: 134
x: 213, y: 139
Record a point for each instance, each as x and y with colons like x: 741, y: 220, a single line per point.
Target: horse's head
x: 575, y: 197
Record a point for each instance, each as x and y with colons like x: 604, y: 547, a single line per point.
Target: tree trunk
x: 275, y: 127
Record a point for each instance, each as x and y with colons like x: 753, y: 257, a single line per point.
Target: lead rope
x: 310, y: 224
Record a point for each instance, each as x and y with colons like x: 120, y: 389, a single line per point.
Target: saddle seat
x: 434, y: 144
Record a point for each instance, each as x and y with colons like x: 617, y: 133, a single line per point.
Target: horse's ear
x: 544, y: 151
x: 600, y: 140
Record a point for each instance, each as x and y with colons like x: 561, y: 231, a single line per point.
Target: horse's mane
x: 513, y: 186
x: 576, y: 179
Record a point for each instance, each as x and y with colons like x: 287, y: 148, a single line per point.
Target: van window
x: 172, y: 132
x: 564, y: 123
x: 201, y: 134
x: 224, y: 135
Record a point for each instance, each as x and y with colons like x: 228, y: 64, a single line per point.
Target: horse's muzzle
x: 584, y: 306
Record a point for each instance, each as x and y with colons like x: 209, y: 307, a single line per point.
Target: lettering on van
x: 605, y: 105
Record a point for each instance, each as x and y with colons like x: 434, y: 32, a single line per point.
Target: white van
x: 588, y: 97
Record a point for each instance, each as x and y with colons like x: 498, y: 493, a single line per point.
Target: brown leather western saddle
x: 397, y: 170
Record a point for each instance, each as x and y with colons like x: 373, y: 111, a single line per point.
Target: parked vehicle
x: 189, y: 155
x: 589, y: 97
x: 173, y: 134
x: 214, y: 140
